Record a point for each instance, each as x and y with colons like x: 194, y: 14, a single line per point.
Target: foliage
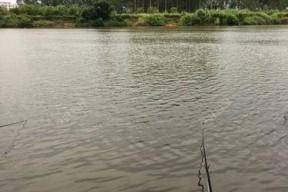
x: 3, y: 11
x: 98, y: 10
x: 152, y: 10
x: 2, y: 22
x: 226, y: 17
x: 230, y: 17
x: 188, y: 6
x: 186, y: 20
x: 155, y: 20
x: 98, y: 23
x: 28, y: 10
x: 254, y: 20
x: 203, y: 17
x: 43, y: 23
x: 116, y: 21
x: 101, y: 14
x: 10, y: 21
x: 25, y: 22
x: 139, y: 10
x: 141, y: 22
x: 173, y: 10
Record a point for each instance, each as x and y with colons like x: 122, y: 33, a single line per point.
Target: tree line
x: 166, y: 5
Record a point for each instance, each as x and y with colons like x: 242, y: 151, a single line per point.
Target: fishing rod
x: 206, y: 166
x: 24, y: 122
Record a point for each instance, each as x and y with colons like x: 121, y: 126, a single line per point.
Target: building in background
x: 8, y: 5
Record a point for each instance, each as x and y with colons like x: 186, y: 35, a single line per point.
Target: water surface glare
x: 123, y: 109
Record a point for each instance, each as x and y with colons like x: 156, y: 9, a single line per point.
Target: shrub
x: 229, y: 19
x: 74, y: 10
x: 50, y: 12
x: 152, y: 10
x: 2, y: 22
x: 141, y: 22
x: 139, y: 10
x: 98, y: 23
x: 117, y: 20
x: 28, y: 9
x: 24, y: 21
x: 102, y: 9
x: 3, y: 11
x: 280, y: 18
x: 10, y: 21
x: 61, y: 10
x: 98, y: 10
x: 195, y: 20
x: 203, y: 17
x: 254, y: 20
x: 173, y: 10
x: 115, y: 23
x: 268, y: 19
x: 44, y: 23
x: 173, y: 15
x: 155, y: 20
x: 186, y: 20
x: 88, y: 14
x: 283, y: 20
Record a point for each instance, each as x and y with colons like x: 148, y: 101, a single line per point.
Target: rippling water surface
x: 123, y: 109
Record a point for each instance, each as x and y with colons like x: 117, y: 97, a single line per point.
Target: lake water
x: 113, y: 110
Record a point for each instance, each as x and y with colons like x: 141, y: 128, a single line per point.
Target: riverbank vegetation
x: 89, y: 13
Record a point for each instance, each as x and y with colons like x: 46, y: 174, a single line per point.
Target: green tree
x: 3, y: 11
x: 100, y: 9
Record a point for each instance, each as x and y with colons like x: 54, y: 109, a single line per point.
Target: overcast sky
x: 12, y: 1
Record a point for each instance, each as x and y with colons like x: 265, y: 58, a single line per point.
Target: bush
x: 242, y: 14
x: 254, y: 20
x: 44, y: 23
x: 74, y: 10
x: 61, y: 10
x: 203, y: 17
x: 98, y: 23
x: 195, y: 20
x: 25, y: 22
x: 283, y: 20
x: 268, y: 19
x: 186, y: 20
x: 102, y: 9
x: 224, y: 17
x: 173, y: 10
x: 117, y: 20
x: 98, y: 10
x: 141, y: 22
x: 50, y: 12
x: 10, y: 21
x: 3, y: 11
x: 88, y: 14
x: 28, y: 9
x: 152, y: 10
x: 155, y: 20
x: 2, y: 22
x: 139, y: 10
x: 116, y: 23
x: 228, y: 19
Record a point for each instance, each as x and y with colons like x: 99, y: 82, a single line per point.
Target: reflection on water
x: 123, y: 109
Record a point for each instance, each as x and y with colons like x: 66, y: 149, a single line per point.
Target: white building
x: 8, y: 5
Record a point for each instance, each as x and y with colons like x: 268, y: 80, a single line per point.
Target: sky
x: 12, y: 1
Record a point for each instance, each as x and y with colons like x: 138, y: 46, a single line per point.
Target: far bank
x: 77, y: 17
